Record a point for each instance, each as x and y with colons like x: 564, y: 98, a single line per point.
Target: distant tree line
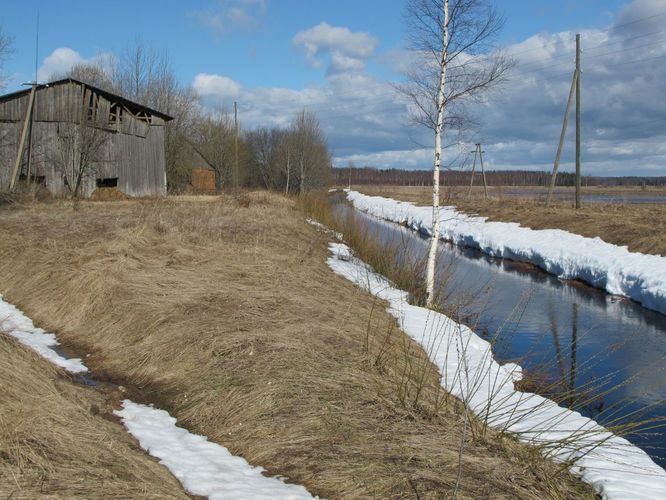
x: 394, y: 176
x: 290, y: 159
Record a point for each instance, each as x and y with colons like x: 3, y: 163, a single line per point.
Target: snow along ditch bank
x: 203, y: 467
x: 603, y: 265
x: 614, y: 467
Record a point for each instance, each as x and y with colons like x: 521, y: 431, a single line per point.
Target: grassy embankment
x: 639, y: 226
x: 223, y: 311
x: 56, y: 438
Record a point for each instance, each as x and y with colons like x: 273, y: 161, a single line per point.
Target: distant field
x: 640, y: 226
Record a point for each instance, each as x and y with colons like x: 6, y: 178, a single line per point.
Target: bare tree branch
x: 474, y: 65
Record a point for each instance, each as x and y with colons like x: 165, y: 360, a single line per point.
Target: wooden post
x: 483, y: 172
x: 24, y: 133
x: 553, y: 177
x: 30, y: 132
x: 578, y: 121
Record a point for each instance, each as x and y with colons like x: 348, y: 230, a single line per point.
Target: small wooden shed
x: 86, y: 135
x: 203, y: 180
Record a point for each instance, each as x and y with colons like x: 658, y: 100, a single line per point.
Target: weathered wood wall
x: 133, y: 151
x: 203, y: 180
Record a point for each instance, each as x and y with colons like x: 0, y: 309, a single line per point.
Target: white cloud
x: 62, y: 59
x: 624, y: 102
x: 232, y: 15
x: 348, y: 50
x: 357, y: 111
x: 649, y: 12
x: 219, y: 86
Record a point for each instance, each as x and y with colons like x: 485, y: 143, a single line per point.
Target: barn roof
x: 131, y: 105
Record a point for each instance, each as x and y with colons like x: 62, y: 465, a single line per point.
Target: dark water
x: 601, y: 355
x: 616, y: 198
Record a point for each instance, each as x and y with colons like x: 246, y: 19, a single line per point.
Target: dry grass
x: 55, y: 443
x: 108, y: 194
x: 640, y: 227
x: 223, y: 311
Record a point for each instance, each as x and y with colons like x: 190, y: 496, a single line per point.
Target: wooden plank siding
x: 133, y: 152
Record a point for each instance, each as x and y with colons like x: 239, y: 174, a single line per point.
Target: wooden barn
x: 80, y: 135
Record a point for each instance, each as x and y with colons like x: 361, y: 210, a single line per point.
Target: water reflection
x: 601, y: 355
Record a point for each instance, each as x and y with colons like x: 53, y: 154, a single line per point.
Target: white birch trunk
x: 302, y: 187
x: 432, y: 255
x: 286, y: 189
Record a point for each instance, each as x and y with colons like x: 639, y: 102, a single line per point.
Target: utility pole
x: 478, y: 151
x: 578, y: 121
x: 32, y: 114
x: 575, y: 87
x: 27, y: 124
x: 24, y: 133
x: 483, y: 172
x: 236, y: 144
x: 32, y: 125
x: 471, y: 182
x: 553, y: 177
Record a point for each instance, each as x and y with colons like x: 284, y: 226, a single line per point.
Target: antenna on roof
x: 37, y: 48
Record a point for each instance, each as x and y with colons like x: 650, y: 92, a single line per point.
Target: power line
x: 624, y: 40
x: 594, y: 56
x: 547, y: 73
x: 635, y: 62
x: 659, y: 14
x: 601, y: 45
x: 541, y: 74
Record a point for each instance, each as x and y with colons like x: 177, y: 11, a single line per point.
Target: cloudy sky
x: 342, y: 59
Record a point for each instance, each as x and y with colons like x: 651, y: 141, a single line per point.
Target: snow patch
x: 204, y: 468
x: 614, y: 467
x: 609, y: 267
x: 16, y: 324
x: 324, y: 229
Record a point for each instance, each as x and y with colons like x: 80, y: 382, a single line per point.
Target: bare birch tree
x: 285, y: 148
x: 310, y: 152
x: 455, y: 63
x: 212, y: 137
x: 81, y: 151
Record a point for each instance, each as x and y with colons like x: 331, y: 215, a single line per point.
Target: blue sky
x: 340, y: 57
x: 261, y: 54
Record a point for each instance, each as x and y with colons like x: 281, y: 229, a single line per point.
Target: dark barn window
x: 115, y: 115
x: 109, y: 182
